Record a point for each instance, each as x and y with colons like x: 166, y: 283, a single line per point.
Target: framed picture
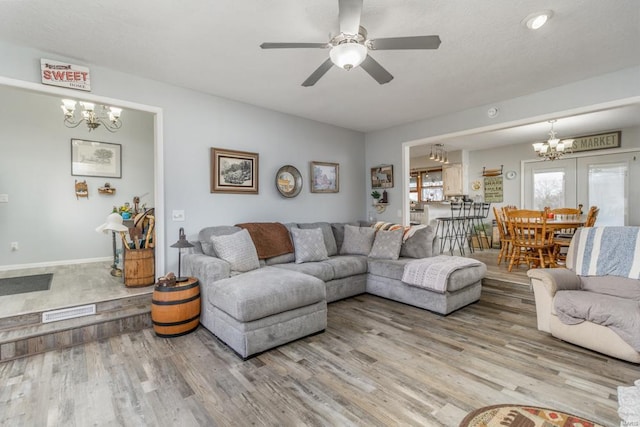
x: 382, y: 176
x: 93, y: 158
x: 325, y: 177
x: 289, y: 181
x: 234, y: 171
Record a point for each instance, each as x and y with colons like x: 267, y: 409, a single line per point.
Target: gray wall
x: 43, y: 214
x: 194, y: 122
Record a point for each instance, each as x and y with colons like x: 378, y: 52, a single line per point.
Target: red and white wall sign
x: 65, y: 75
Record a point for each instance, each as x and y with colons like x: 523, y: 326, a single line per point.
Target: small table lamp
x: 181, y: 243
x: 113, y: 224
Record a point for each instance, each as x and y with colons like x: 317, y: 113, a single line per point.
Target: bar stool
x: 480, y: 214
x: 449, y: 229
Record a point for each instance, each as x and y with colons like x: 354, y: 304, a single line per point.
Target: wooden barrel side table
x: 175, y: 310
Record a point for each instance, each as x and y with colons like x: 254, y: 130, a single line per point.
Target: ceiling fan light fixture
x: 538, y: 19
x: 348, y: 55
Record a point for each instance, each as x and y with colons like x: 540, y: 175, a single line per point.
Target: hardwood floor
x: 378, y: 363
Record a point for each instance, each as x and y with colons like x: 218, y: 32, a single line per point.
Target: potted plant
x: 376, y: 196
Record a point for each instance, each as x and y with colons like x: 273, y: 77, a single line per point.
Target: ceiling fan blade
x: 417, y: 42
x: 293, y: 45
x: 319, y: 72
x: 376, y: 70
x: 349, y: 12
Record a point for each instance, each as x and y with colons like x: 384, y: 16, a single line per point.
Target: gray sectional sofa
x: 257, y: 299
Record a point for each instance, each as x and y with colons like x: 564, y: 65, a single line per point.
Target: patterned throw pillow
x: 387, y: 244
x: 309, y: 245
x: 238, y: 250
x: 357, y: 240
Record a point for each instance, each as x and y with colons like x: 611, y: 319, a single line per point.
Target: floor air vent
x: 68, y: 313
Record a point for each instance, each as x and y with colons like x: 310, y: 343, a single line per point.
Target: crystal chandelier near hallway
x: 93, y: 116
x: 553, y: 148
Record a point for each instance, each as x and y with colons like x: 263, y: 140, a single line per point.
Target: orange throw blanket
x: 270, y: 238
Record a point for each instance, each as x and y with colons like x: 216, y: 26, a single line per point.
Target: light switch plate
x: 178, y: 215
x: 4, y: 198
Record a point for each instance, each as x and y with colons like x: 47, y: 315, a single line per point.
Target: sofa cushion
x: 347, y: 265
x: 321, y: 270
x: 391, y: 269
x: 238, y: 250
x: 204, y: 237
x: 308, y: 245
x: 281, y: 259
x: 612, y: 285
x: 338, y: 233
x: 327, y: 234
x: 420, y: 244
x: 386, y: 244
x: 265, y: 292
x: 357, y: 240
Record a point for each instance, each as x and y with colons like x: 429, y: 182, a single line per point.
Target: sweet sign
x: 65, y: 75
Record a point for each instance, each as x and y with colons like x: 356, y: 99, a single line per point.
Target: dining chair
x: 532, y: 240
x: 592, y: 215
x: 506, y: 245
x: 562, y: 236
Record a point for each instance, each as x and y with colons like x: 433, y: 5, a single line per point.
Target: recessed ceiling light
x: 538, y: 19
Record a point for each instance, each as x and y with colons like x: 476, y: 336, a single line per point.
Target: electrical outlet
x: 14, y: 246
x: 178, y: 215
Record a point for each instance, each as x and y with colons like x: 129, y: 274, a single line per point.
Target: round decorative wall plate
x: 510, y: 174
x: 289, y: 181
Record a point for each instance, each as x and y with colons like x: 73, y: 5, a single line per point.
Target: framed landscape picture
x: 382, y: 176
x: 234, y: 171
x: 93, y: 158
x: 325, y: 177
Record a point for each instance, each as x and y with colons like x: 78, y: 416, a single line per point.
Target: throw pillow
x: 238, y: 250
x: 309, y: 245
x: 387, y: 244
x: 357, y: 240
x: 419, y: 244
x: 327, y: 233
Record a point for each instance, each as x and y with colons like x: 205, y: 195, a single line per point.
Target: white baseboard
x: 54, y: 263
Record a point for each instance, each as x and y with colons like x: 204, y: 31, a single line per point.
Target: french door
x: 607, y: 181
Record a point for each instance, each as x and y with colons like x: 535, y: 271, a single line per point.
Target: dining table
x: 559, y: 222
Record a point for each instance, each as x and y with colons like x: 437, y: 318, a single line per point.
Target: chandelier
x: 109, y: 117
x: 553, y: 148
x: 439, y: 155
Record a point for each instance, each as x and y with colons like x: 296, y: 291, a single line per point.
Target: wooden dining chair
x: 562, y: 236
x: 592, y: 215
x: 506, y: 245
x: 532, y: 240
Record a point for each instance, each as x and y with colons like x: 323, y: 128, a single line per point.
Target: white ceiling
x: 486, y: 55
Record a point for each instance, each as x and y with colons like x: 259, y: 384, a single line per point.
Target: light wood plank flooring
x: 378, y: 363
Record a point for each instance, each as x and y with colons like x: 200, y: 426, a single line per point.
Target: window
x: 549, y: 189
x: 426, y: 186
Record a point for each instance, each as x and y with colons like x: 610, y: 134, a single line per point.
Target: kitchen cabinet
x: 452, y: 181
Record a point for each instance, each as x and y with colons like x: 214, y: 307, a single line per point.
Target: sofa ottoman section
x: 264, y: 308
x: 463, y: 286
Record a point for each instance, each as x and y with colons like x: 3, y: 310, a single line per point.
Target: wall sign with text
x: 596, y: 142
x: 493, y: 190
x: 62, y: 74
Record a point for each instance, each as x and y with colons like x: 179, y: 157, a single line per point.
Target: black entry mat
x: 24, y: 284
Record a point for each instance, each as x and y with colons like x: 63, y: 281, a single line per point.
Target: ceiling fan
x: 350, y: 48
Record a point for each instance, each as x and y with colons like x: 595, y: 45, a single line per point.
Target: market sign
x: 493, y: 192
x: 596, y: 142
x: 65, y: 75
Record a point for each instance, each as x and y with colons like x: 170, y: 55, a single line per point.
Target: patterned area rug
x: 522, y: 416
x: 24, y: 284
